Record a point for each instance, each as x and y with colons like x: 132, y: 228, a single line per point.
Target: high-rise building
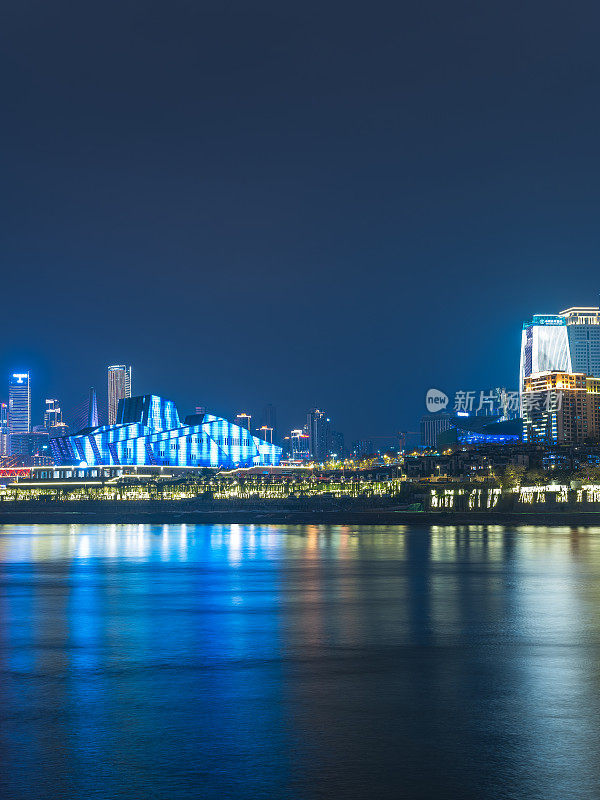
x: 119, y: 387
x: 555, y: 408
x: 432, y: 425
x: 19, y: 403
x: 52, y: 414
x: 593, y: 408
x: 583, y: 331
x: 297, y: 445
x: 317, y: 427
x: 4, y: 440
x: 544, y: 346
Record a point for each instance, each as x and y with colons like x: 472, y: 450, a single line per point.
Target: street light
x: 264, y: 431
x: 244, y: 416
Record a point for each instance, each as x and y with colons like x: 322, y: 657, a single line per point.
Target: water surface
x: 209, y: 661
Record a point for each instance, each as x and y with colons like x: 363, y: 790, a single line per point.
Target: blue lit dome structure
x: 148, y: 431
x: 474, y: 430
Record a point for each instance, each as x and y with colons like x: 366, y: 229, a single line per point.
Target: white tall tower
x: 19, y: 403
x: 119, y: 387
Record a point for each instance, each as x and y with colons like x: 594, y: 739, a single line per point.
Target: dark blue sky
x: 317, y: 203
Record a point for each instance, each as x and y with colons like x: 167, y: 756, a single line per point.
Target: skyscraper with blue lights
x: 19, y: 403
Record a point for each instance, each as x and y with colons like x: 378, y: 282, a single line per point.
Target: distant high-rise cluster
x: 94, y: 433
x: 24, y: 444
x: 316, y: 441
x: 144, y: 430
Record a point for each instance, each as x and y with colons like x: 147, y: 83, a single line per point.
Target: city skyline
x: 299, y: 418
x: 52, y: 426
x: 577, y: 350
x: 320, y: 224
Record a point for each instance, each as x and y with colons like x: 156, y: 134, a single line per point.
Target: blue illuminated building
x: 472, y: 430
x: 148, y: 431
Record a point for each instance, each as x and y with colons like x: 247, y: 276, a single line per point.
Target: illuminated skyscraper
x: 4, y: 449
x: 297, y: 445
x: 544, y: 346
x: 317, y: 427
x: 119, y: 387
x: 555, y: 408
x: 53, y: 420
x: 583, y: 330
x: 19, y: 403
x: 52, y: 414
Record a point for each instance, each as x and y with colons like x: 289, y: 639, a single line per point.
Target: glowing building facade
x: 148, y: 431
x: 560, y: 408
x: 544, y: 346
x: 317, y: 427
x: 473, y: 430
x: 19, y: 403
x: 52, y: 414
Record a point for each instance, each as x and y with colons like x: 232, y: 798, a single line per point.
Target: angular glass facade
x: 148, y: 431
x: 544, y: 346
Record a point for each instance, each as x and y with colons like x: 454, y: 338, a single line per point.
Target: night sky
x: 329, y: 204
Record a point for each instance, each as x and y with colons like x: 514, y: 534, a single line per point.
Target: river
x: 230, y: 661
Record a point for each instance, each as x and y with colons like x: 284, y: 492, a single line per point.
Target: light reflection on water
x: 299, y: 661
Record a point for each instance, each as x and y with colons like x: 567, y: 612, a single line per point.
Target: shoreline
x: 383, y: 517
